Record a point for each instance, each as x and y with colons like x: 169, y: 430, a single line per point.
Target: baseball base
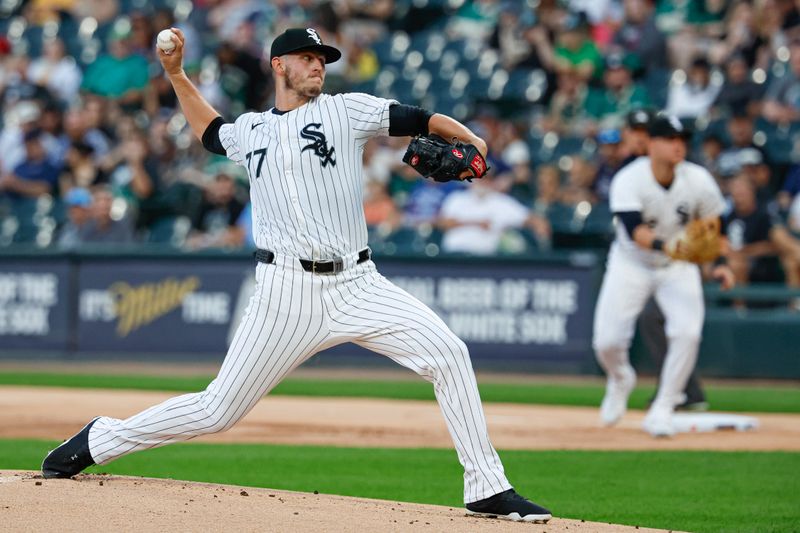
x: 705, y: 422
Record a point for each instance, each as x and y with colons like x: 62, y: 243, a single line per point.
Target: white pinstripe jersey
x: 305, y: 169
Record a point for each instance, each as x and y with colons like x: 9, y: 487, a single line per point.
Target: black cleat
x: 510, y: 506
x: 71, y: 457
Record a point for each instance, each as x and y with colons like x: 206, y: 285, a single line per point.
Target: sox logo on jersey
x: 318, y: 143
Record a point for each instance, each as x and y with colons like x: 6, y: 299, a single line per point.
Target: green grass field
x: 690, y: 491
x: 775, y: 399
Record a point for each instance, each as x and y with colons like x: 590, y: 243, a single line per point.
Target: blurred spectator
x: 508, y: 37
x: 619, y: 93
x: 694, y: 97
x: 131, y: 170
x: 379, y: 209
x: 518, y: 157
x: 56, y: 71
x: 78, y: 201
x: 635, y: 135
x: 705, y: 26
x: 17, y: 87
x: 790, y: 187
x: 739, y: 91
x: 35, y: 175
x: 547, y: 203
x: 757, y: 239
x: 740, y: 135
x: 215, y: 223
x: 80, y: 169
x: 640, y: 36
x: 382, y: 156
x: 580, y: 182
x: 575, y: 51
x: 741, y: 37
x: 610, y: 160
x: 23, y: 118
x: 474, y: 220
x: 782, y: 101
x: 793, y: 217
x: 242, y: 79
x: 78, y: 130
x: 566, y: 113
x: 110, y: 221
x: 425, y: 199
x: 119, y: 75
x: 362, y: 63
x: 752, y: 164
x: 710, y: 149
x: 244, y: 224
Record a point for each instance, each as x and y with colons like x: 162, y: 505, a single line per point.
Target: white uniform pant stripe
x: 251, y: 368
x: 382, y: 317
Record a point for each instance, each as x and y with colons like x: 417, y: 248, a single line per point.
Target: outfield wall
x: 514, y: 314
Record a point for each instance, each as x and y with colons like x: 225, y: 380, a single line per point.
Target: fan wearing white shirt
x: 474, y: 220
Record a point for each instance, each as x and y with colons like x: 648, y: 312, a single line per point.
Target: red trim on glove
x: 478, y: 165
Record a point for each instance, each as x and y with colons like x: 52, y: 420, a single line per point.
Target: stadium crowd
x: 93, y: 148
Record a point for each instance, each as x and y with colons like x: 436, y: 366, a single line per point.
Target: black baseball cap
x: 297, y: 39
x: 664, y: 125
x: 639, y: 118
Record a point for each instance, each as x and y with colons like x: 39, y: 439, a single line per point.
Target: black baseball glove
x: 435, y: 158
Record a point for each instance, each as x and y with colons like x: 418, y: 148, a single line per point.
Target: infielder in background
x: 668, y: 218
x: 316, y: 286
x: 651, y: 322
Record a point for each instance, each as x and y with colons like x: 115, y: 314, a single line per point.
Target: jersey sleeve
x: 711, y: 201
x: 623, y: 195
x: 368, y: 115
x: 229, y: 138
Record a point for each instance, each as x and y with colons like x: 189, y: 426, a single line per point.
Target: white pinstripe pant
x: 292, y: 315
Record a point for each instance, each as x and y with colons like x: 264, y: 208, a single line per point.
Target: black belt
x: 330, y: 266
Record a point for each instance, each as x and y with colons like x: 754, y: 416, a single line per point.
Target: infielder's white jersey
x: 305, y: 169
x: 693, y: 194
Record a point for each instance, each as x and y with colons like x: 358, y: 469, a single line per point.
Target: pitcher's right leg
x: 282, y: 326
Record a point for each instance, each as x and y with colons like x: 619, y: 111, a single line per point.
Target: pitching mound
x: 120, y: 503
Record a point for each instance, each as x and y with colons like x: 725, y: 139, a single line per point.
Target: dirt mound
x: 119, y: 503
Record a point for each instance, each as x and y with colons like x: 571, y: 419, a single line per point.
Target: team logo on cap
x: 313, y: 34
x: 675, y: 123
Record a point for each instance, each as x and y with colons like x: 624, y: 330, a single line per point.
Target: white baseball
x: 164, y: 40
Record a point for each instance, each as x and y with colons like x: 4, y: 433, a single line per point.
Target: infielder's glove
x: 698, y: 243
x: 435, y: 158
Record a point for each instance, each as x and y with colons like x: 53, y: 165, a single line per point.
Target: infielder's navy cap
x: 664, y: 125
x: 297, y: 39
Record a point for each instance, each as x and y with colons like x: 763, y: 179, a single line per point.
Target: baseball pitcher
x: 316, y: 285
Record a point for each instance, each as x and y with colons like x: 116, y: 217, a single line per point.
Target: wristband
x: 720, y: 261
x: 657, y: 244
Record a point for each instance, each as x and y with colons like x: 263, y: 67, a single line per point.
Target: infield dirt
x: 120, y: 503
x: 28, y: 412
